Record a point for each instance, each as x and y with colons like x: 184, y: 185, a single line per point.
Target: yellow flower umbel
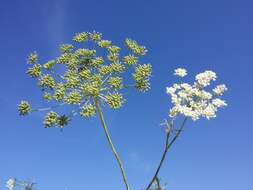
x: 85, y: 75
x: 89, y: 76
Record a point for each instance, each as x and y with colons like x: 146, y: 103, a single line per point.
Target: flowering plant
x: 13, y: 182
x: 95, y: 75
x: 88, y: 77
x: 190, y: 101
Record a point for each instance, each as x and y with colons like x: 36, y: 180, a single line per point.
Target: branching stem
x: 166, y: 148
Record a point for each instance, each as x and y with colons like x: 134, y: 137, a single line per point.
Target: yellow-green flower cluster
x: 135, y: 48
x: 130, y: 60
x: 47, y: 81
x: 59, y: 93
x: 115, y: 101
x: 24, y: 108
x: 115, y: 83
x: 104, y: 43
x: 88, y: 110
x: 49, y: 65
x: 34, y: 71
x: 47, y: 96
x: 50, y: 119
x: 81, y: 37
x: 91, y: 71
x: 64, y: 58
x: 66, y: 48
x: 72, y: 79
x: 74, y: 98
x: 32, y: 58
x: 91, y: 89
x: 95, y: 36
x: 141, y: 76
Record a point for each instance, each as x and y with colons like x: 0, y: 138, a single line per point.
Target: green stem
x: 111, y: 144
x: 158, y: 183
x: 167, y: 147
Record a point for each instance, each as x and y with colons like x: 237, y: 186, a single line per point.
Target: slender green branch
x: 111, y: 144
x: 158, y: 183
x: 166, y: 148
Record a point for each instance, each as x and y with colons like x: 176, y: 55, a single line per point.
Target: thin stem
x: 48, y: 108
x: 167, y: 147
x: 111, y: 144
x: 158, y: 183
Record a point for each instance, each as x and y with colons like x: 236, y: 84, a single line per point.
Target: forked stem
x: 111, y: 144
x: 166, y: 148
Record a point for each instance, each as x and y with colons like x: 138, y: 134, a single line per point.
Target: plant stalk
x: 167, y: 147
x: 111, y: 144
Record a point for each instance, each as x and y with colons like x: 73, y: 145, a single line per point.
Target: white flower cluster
x: 180, y: 72
x: 11, y: 183
x: 192, y: 100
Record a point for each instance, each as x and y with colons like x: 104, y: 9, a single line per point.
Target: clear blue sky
x: 195, y: 34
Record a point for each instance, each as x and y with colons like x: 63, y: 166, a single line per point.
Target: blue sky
x: 198, y: 35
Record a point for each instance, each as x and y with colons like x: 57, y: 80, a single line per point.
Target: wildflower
x: 130, y: 60
x: 66, y: 48
x: 115, y: 101
x: 180, y: 72
x: 83, y: 77
x: 209, y: 111
x: 49, y: 65
x: 63, y: 121
x: 104, y: 43
x: 85, y: 74
x: 64, y: 58
x: 73, y: 98
x: 95, y: 36
x: 170, y: 90
x: 113, y: 49
x: 141, y: 76
x: 113, y: 57
x: 51, y: 119
x: 59, y: 92
x: 11, y: 183
x: 47, y: 81
x: 32, y: 58
x: 115, y: 82
x: 142, y: 72
x: 135, y: 48
x: 193, y: 100
x: 47, y: 96
x: 88, y: 110
x: 72, y: 79
x: 219, y: 103
x: 81, y: 37
x: 35, y: 71
x: 97, y: 61
x: 117, y: 67
x: 142, y: 85
x: 90, y: 89
x: 220, y: 89
x: 24, y: 108
x: 204, y: 79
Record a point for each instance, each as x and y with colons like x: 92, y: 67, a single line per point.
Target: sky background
x: 195, y: 34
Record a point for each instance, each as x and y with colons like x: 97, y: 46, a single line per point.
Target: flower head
x: 180, y: 72
x: 194, y: 100
x: 80, y: 76
x: 220, y: 89
x: 24, y: 108
x: 204, y: 79
x: 11, y: 183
